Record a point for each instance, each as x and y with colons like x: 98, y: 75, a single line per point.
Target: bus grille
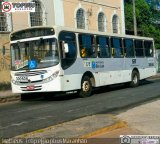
x: 31, y: 88
x: 38, y: 81
x: 31, y: 73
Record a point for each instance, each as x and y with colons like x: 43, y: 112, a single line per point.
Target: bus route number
x: 133, y: 61
x: 87, y: 64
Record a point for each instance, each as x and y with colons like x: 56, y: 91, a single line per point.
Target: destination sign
x: 33, y: 32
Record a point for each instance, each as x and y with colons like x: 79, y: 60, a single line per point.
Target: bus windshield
x: 34, y: 54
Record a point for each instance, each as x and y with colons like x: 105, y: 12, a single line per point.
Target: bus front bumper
x: 52, y: 86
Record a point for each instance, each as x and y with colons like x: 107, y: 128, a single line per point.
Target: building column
x: 59, y: 12
x: 122, y: 18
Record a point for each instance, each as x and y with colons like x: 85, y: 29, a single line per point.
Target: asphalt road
x: 33, y: 114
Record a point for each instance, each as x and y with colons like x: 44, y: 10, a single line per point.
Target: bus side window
x: 116, y: 45
x: 87, y: 46
x: 128, y: 48
x: 103, y: 46
x: 148, y: 46
x: 139, y: 48
x: 68, y: 56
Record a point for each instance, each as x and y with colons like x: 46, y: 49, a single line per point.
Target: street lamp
x: 134, y: 18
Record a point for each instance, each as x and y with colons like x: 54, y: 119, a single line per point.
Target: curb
x: 10, y: 98
x: 120, y: 124
x: 157, y: 76
x: 153, y: 78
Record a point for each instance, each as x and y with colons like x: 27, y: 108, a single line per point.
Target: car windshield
x: 36, y: 54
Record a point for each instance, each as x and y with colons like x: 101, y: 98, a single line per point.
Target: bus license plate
x: 22, y: 79
x: 30, y: 87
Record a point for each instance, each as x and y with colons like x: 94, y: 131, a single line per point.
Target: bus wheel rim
x: 135, y: 79
x: 86, y: 86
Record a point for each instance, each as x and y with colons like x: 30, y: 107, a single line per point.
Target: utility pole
x: 134, y: 18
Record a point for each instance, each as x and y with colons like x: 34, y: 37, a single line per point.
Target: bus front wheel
x: 86, y: 87
x: 135, y: 79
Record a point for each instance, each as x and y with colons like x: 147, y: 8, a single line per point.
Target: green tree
x: 143, y: 13
x: 146, y: 17
x: 128, y: 15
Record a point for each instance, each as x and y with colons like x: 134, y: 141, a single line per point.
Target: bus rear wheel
x: 86, y: 87
x: 134, y: 79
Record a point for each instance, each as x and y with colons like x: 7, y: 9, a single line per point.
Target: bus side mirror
x: 151, y: 51
x: 66, y: 48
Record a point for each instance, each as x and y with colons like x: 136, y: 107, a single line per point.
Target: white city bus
x: 60, y: 59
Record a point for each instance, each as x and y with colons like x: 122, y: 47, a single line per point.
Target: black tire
x: 24, y: 97
x: 27, y: 96
x: 134, y: 79
x: 86, y: 87
x: 49, y: 96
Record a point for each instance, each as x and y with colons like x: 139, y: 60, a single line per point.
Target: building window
x: 36, y: 18
x: 101, y: 22
x: 115, y: 24
x: 80, y: 17
x: 3, y: 20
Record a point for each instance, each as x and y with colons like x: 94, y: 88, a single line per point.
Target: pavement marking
x: 118, y: 125
x: 19, y: 124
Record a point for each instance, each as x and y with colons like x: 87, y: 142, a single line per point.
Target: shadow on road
x: 115, y: 87
x: 48, y: 96
x: 51, y: 96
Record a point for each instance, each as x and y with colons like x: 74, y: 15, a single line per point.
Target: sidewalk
x: 157, y: 76
x: 141, y: 120
x: 82, y: 127
x: 8, y: 96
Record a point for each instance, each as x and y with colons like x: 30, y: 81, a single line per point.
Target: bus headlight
x: 14, y: 82
x: 55, y: 74
x: 52, y: 77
